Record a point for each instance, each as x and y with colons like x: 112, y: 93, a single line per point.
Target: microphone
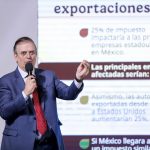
x: 29, y: 68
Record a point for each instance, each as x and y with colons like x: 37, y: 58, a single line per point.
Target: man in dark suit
x: 17, y: 106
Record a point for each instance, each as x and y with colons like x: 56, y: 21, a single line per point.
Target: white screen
x: 115, y: 38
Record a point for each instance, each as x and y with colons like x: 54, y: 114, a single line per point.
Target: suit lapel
x: 40, y: 81
x: 21, y: 84
x: 19, y: 80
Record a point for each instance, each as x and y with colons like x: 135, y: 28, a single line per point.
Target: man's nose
x: 28, y: 54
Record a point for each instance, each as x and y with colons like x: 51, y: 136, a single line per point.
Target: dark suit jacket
x: 20, y: 128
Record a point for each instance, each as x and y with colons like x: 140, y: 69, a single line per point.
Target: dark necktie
x: 41, y: 121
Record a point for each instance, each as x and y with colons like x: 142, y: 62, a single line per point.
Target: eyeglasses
x: 24, y: 53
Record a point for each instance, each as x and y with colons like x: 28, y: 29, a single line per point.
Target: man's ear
x: 15, y: 57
